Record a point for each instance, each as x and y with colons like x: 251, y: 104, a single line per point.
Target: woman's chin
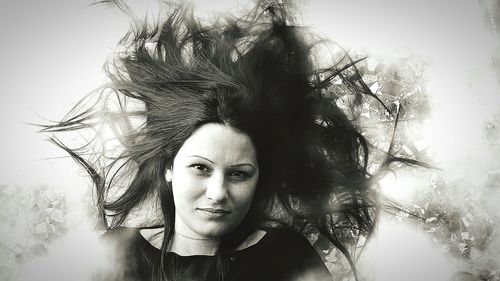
x: 214, y: 230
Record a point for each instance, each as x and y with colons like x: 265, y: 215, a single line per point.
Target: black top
x: 281, y: 255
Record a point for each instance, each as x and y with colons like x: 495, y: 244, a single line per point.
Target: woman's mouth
x: 213, y: 212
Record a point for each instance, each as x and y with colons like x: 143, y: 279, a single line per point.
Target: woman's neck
x: 181, y: 244
x: 190, y: 246
x: 184, y: 246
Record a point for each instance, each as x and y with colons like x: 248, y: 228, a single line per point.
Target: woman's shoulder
x: 282, y: 254
x: 283, y: 232
x: 285, y: 237
x: 125, y: 241
x: 120, y: 235
x: 126, y: 255
x: 119, y: 242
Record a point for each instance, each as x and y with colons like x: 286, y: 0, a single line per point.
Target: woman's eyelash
x: 204, y: 169
x: 239, y: 174
x: 199, y: 167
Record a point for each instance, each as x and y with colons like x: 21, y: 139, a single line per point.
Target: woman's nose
x: 216, y: 189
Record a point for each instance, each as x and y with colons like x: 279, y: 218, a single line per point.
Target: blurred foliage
x: 32, y: 219
x: 464, y: 231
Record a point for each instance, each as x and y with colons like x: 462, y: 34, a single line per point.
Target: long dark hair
x: 256, y: 74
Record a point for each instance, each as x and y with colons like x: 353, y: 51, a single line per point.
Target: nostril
x: 216, y: 190
x: 216, y: 195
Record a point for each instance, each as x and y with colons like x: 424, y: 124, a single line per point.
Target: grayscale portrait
x: 250, y: 140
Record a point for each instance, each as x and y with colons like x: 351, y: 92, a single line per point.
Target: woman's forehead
x: 220, y: 144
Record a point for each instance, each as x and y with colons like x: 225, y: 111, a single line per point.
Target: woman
x: 237, y: 135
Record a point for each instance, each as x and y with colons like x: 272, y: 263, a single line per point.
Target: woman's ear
x: 168, y: 175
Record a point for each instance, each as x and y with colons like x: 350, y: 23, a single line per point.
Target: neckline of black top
x: 152, y: 248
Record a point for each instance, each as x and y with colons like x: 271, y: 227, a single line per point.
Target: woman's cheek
x: 244, y: 194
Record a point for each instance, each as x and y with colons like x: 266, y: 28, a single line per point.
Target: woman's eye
x: 200, y: 168
x: 238, y: 174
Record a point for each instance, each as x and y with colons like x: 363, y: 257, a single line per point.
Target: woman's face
x: 214, y: 177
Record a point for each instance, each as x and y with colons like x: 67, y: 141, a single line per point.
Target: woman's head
x: 220, y: 125
x: 250, y: 77
x: 213, y: 179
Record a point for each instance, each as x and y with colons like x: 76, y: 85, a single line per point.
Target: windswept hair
x: 255, y: 73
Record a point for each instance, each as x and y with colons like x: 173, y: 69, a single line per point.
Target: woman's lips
x: 213, y: 212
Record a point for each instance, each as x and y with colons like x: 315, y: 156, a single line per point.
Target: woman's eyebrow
x: 242, y: 164
x: 232, y: 166
x: 198, y: 156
